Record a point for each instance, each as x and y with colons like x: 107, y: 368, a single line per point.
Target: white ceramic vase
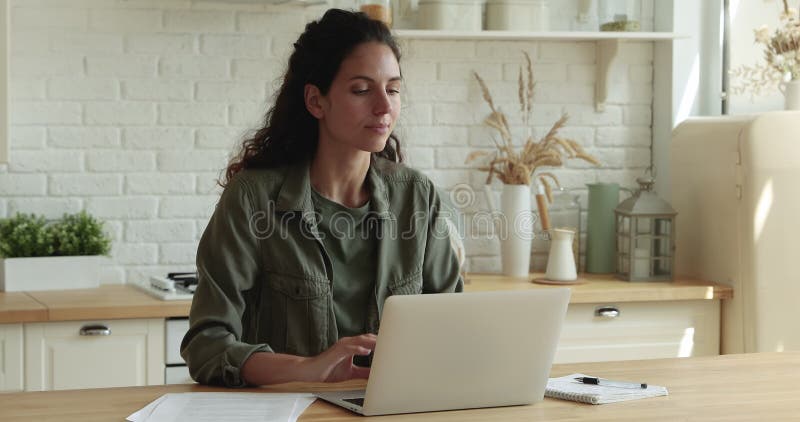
x: 791, y: 93
x: 514, y: 227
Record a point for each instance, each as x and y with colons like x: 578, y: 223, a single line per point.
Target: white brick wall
x: 130, y: 110
x: 28, y: 137
x: 121, y: 66
x: 160, y: 183
x: 45, y: 113
x: 49, y: 207
x: 120, y: 113
x: 23, y: 184
x: 160, y: 43
x: 82, y: 89
x: 181, y: 138
x: 247, y: 46
x: 123, y: 208
x: 46, y: 161
x: 150, y: 89
x: 84, y: 184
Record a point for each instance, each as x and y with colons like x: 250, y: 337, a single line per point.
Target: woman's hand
x: 336, y: 363
x: 332, y: 365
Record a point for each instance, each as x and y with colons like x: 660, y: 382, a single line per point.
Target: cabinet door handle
x: 95, y: 330
x: 607, y: 312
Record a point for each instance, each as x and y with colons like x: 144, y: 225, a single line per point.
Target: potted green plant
x: 36, y: 254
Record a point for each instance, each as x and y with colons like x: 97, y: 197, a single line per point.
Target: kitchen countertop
x: 593, y: 288
x: 20, y: 307
x: 120, y: 301
x: 109, y: 301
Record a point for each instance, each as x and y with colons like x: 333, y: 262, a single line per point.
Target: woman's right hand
x: 332, y: 365
x: 336, y: 363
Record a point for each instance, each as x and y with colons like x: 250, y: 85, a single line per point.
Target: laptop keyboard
x: 356, y: 401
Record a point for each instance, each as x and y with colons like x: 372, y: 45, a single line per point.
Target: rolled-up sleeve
x: 228, y: 265
x: 441, y: 268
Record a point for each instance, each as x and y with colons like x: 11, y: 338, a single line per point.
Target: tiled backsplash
x: 130, y: 108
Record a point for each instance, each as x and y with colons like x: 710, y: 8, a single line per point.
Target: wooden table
x: 746, y: 387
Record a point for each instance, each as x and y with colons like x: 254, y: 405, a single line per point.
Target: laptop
x: 460, y: 351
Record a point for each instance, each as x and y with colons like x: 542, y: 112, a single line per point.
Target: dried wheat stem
x: 486, y: 95
x: 567, y: 147
x: 521, y: 94
x: 529, y: 92
x: 547, y: 161
x: 507, y: 129
x: 556, y: 126
x: 586, y: 157
x: 475, y: 154
x: 551, y: 176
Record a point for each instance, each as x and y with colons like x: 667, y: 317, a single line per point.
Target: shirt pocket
x: 299, y: 313
x: 408, y: 285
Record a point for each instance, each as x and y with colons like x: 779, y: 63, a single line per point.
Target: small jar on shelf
x: 586, y: 16
x: 450, y: 15
x: 379, y: 10
x: 620, y: 15
x: 517, y: 15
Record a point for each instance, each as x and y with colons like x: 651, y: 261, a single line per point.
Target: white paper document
x: 232, y: 407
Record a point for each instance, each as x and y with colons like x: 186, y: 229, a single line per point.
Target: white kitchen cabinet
x: 639, y: 330
x: 11, y: 358
x: 91, y: 354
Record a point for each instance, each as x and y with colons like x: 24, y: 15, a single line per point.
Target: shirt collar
x: 295, y: 193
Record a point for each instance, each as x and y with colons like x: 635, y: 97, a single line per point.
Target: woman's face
x: 361, y: 107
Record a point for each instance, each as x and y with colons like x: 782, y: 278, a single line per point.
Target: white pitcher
x: 513, y: 226
x: 561, y: 261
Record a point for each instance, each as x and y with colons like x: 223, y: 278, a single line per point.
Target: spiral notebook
x: 567, y: 388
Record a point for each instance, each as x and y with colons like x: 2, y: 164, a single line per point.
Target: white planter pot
x: 50, y: 273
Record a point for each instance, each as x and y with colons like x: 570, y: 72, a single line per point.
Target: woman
x: 318, y: 223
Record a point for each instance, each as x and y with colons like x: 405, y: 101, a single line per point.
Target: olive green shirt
x: 264, y: 274
x: 350, y: 243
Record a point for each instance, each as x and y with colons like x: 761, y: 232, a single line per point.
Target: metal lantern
x: 645, y: 227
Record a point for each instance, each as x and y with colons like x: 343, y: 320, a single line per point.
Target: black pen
x: 603, y: 381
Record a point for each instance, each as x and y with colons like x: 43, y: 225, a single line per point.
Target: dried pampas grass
x: 514, y: 167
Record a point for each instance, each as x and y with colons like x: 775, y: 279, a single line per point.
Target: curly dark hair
x: 290, y: 133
